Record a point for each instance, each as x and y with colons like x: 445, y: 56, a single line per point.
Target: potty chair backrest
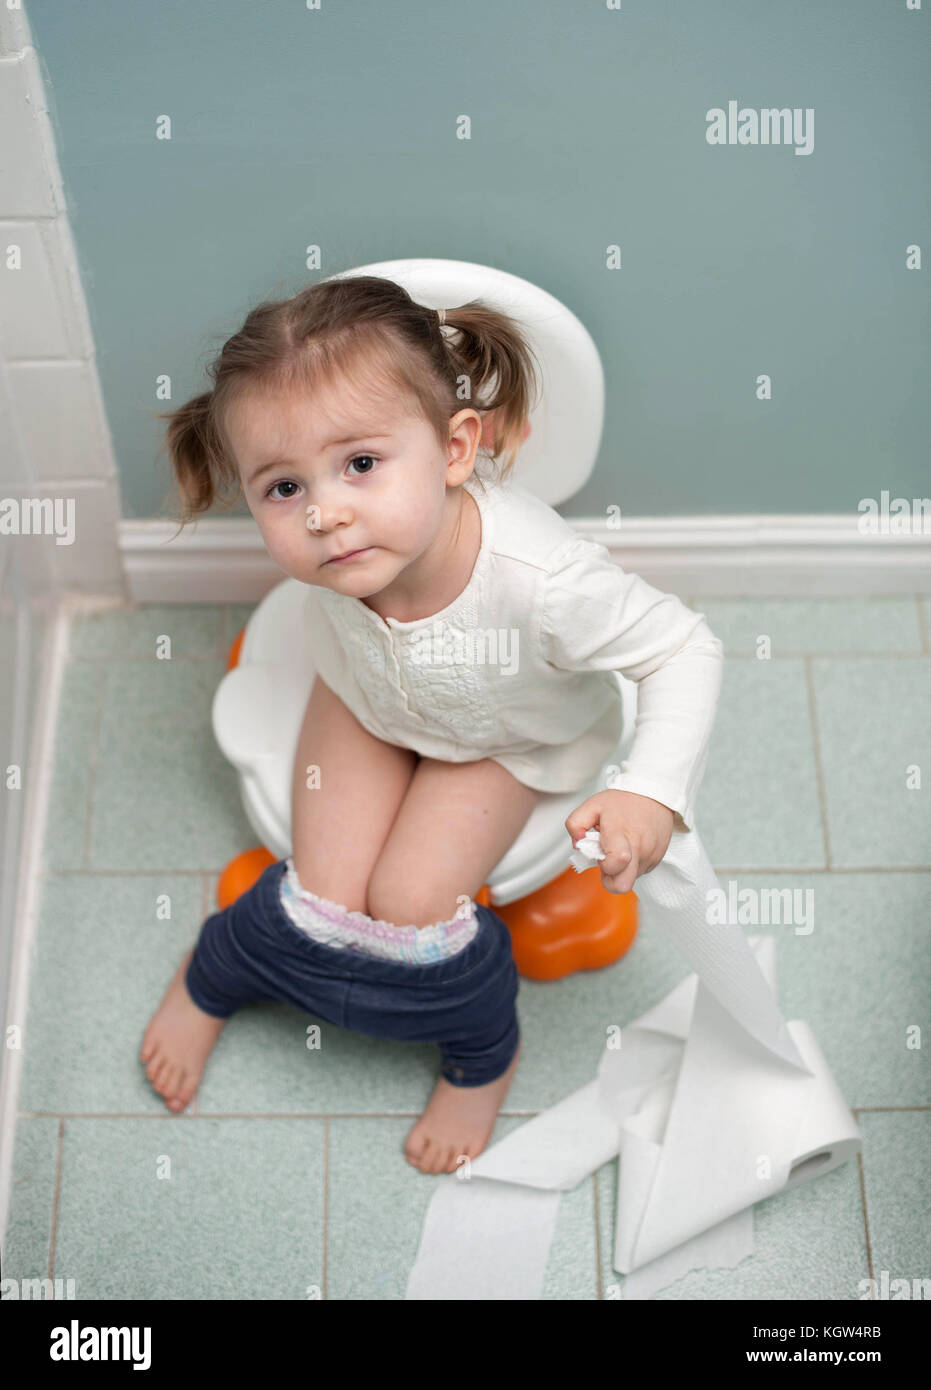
x: 558, y: 458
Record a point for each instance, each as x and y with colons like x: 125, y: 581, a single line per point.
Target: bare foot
x: 177, y: 1042
x: 457, y: 1122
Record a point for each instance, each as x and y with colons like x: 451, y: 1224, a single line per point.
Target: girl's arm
x: 598, y: 617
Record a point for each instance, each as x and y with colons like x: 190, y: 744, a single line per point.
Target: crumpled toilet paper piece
x: 587, y: 851
x: 711, y: 1099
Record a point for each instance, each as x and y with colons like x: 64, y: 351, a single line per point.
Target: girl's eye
x: 285, y: 483
x: 364, y: 456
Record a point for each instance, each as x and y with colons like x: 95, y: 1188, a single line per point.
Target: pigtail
x: 492, y: 352
x: 198, y: 459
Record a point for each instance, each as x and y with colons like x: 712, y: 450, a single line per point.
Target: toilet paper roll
x: 728, y: 1131
x: 711, y: 1099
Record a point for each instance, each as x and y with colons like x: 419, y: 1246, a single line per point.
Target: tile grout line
x: 154, y: 870
x: 92, y: 775
x: 224, y: 638
x: 194, y: 1107
x: 101, y: 658
x: 599, y: 1285
x: 326, y: 1199
x: 883, y: 1109
x: 866, y: 1219
x: 829, y: 654
x: 819, y: 770
x: 55, y: 1199
x: 167, y: 1114
x: 922, y: 625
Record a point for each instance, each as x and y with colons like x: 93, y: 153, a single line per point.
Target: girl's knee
x: 335, y: 886
x: 412, y: 903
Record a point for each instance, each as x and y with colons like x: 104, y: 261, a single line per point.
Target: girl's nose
x: 322, y: 518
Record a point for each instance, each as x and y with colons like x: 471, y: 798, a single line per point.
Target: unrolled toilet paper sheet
x: 711, y: 1099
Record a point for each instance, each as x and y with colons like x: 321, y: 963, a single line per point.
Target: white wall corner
x: 14, y: 31
x: 53, y: 426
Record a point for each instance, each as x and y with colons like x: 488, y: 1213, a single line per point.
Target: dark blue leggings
x: 252, y: 952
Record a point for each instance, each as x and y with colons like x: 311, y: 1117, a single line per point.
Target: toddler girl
x: 464, y: 638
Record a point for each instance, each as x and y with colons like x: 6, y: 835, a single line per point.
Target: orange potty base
x: 572, y: 923
x: 240, y: 874
x: 233, y: 655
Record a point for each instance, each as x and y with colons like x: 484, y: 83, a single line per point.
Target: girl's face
x: 329, y: 476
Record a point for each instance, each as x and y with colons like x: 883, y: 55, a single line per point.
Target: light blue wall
x: 337, y: 127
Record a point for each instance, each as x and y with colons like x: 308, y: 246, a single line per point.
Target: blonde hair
x: 359, y: 329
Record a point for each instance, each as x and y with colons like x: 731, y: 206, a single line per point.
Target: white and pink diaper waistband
x: 333, y: 925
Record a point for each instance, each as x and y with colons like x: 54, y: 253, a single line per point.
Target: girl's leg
x: 457, y: 822
x: 338, y: 828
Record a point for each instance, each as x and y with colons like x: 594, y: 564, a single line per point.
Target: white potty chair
x: 560, y: 921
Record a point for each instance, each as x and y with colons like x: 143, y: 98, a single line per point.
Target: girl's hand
x: 635, y: 833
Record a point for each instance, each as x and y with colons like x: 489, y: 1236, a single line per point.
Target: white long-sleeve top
x: 519, y: 667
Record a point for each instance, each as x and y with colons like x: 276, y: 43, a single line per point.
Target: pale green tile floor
x: 286, y: 1176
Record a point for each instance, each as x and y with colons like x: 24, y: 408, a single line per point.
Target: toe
x: 437, y: 1158
x: 155, y: 1068
x: 161, y: 1074
x: 179, y: 1091
x: 427, y: 1157
x: 414, y: 1145
x: 186, y: 1089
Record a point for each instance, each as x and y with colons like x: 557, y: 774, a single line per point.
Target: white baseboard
x: 224, y: 560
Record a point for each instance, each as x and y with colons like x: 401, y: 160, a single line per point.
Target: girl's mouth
x: 352, y: 555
